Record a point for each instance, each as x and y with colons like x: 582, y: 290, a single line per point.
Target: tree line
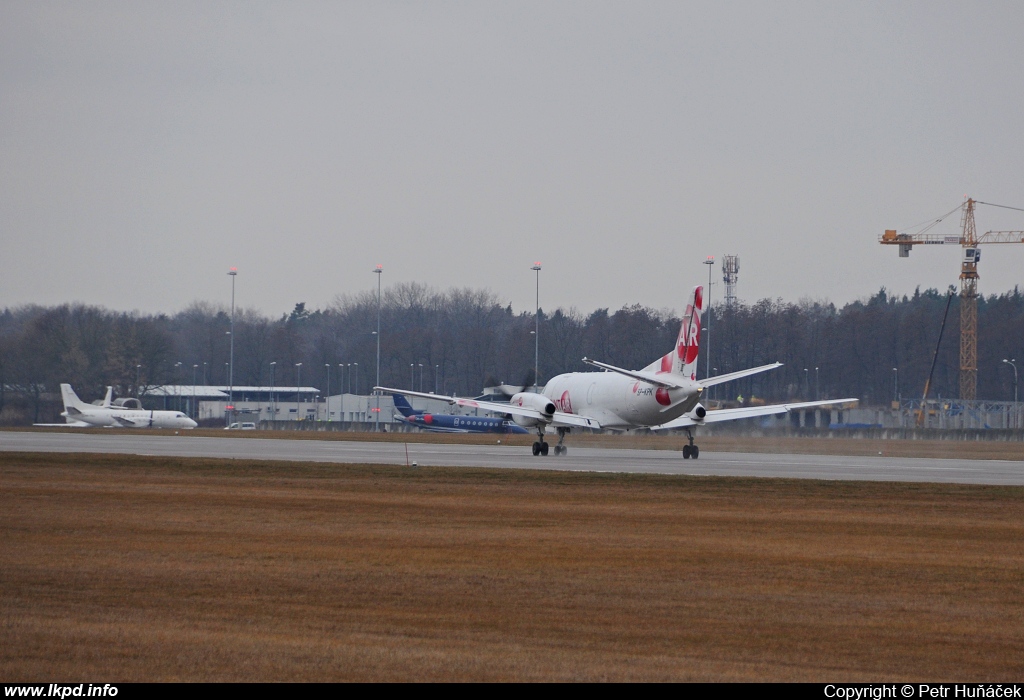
x: 460, y: 340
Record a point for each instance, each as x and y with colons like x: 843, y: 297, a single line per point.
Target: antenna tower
x: 730, y: 274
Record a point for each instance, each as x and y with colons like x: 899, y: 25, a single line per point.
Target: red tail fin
x: 683, y: 358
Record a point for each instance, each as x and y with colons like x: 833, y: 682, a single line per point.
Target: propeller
x: 528, y: 382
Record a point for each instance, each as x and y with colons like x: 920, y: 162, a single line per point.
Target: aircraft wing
x: 558, y: 419
x: 666, y: 380
x: 723, y: 378
x: 502, y: 408
x: 725, y: 414
x: 75, y: 424
x: 571, y: 420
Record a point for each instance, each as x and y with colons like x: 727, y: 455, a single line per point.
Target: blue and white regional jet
x: 452, y: 424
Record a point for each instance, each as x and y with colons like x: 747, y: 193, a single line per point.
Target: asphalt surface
x: 874, y: 468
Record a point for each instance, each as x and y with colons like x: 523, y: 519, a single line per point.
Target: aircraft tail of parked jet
x: 74, y: 405
x: 404, y: 407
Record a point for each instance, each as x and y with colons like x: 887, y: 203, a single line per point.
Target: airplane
x: 84, y: 415
x: 70, y: 422
x: 452, y: 424
x: 665, y: 394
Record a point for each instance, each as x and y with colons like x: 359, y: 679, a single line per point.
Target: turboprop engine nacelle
x: 538, y: 402
x: 698, y: 412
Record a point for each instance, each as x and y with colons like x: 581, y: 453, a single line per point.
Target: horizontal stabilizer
x: 723, y: 378
x: 726, y: 414
x: 665, y: 379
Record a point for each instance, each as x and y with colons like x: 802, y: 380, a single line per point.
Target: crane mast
x: 969, y: 305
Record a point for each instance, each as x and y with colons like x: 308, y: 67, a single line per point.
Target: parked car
x: 241, y: 426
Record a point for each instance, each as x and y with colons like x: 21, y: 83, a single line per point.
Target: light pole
x: 707, y: 347
x: 233, y: 272
x: 298, y: 384
x: 348, y: 382
x: 273, y: 396
x: 195, y: 414
x: 177, y: 384
x: 421, y: 376
x: 807, y: 385
x: 1013, y: 363
x: 379, y: 271
x: 412, y: 376
x: 895, y: 384
x: 536, y: 327
x: 328, y: 366
x: 205, y: 381
x: 341, y: 408
x: 138, y: 373
x: 436, y: 369
x: 817, y: 386
x: 356, y: 365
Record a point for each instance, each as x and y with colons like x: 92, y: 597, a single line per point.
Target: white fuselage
x: 108, y: 417
x: 617, y: 401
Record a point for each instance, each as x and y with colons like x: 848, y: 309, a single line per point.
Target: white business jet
x: 665, y: 394
x: 83, y: 415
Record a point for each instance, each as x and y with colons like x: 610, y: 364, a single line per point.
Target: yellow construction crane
x: 969, y: 241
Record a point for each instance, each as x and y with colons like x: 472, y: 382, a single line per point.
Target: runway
x: 872, y: 468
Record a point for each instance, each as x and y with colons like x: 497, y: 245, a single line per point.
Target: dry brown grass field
x: 120, y: 568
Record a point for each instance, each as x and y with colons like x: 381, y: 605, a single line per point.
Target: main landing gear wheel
x: 561, y: 449
x: 540, y: 448
x: 690, y: 450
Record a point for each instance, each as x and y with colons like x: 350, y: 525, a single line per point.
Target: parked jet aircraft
x: 452, y: 424
x: 86, y: 415
x: 665, y: 394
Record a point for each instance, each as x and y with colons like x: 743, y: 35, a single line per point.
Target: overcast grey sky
x: 146, y: 147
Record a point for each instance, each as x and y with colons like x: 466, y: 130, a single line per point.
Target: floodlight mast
x: 379, y: 271
x: 233, y: 272
x: 536, y: 330
x: 710, y: 262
